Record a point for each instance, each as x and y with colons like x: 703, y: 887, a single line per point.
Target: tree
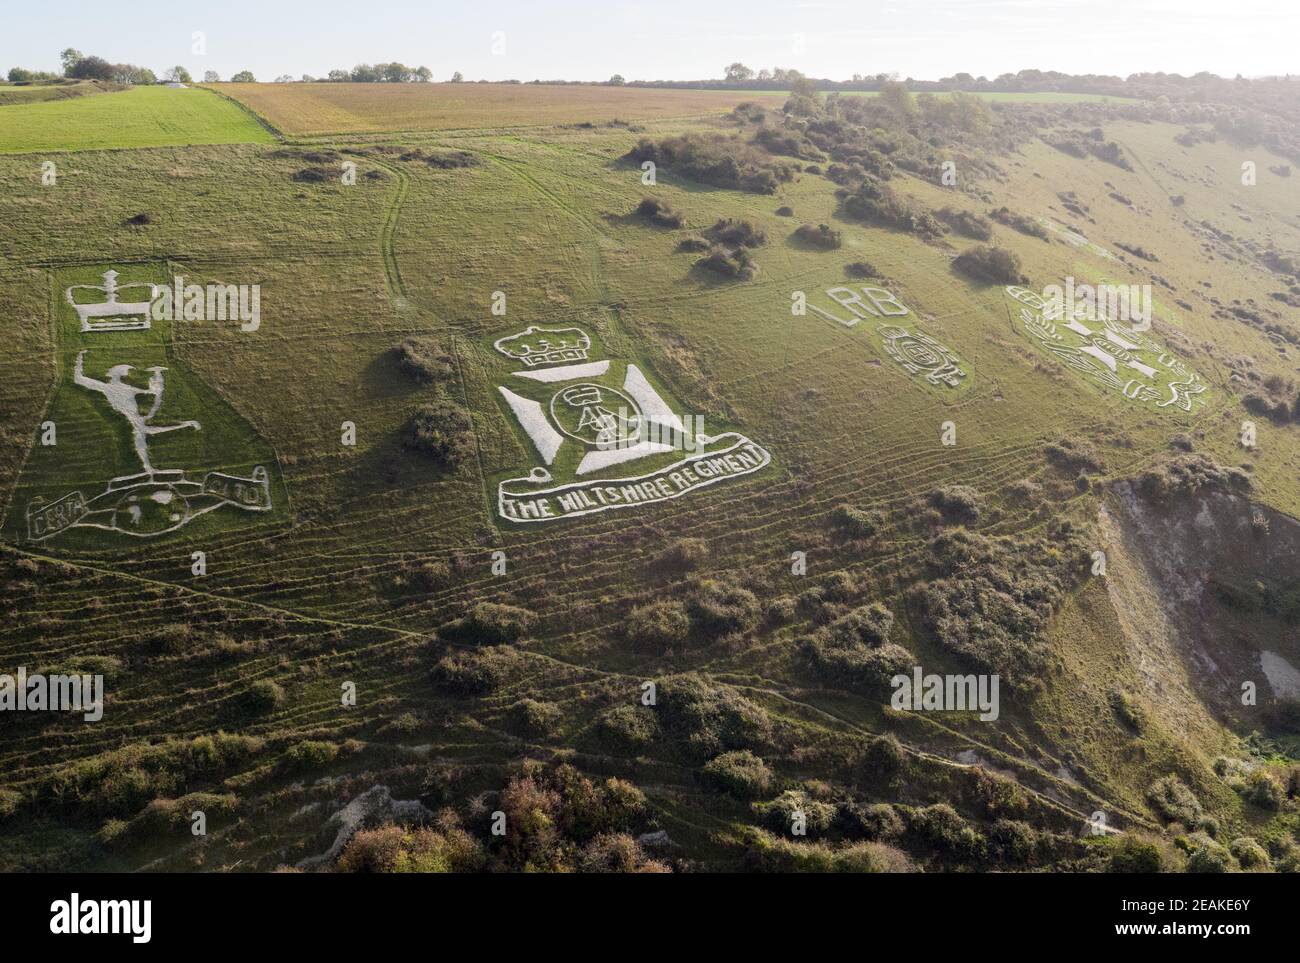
x: 738, y: 72
x: 69, y: 57
x: 284, y: 79
x: 308, y: 79
x: 457, y: 77
x: 211, y: 77
x: 131, y: 74
x: 423, y: 74
x: 91, y: 68
x: 243, y: 77
x: 364, y: 74
x: 177, y: 75
x: 339, y: 76
x: 616, y: 80
x: 899, y: 99
x: 395, y: 73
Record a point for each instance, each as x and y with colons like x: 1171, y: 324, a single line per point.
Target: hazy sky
x: 666, y: 39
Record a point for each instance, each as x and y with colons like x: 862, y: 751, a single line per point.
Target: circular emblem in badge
x: 597, y: 416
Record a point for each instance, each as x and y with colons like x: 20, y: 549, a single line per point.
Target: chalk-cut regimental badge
x: 112, y: 345
x: 1109, y: 354
x: 590, y: 421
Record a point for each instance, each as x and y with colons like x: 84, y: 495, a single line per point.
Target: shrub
x: 310, y: 754
x: 883, y: 759
x: 616, y: 853
x: 659, y: 212
x: 1263, y: 790
x: 957, y: 503
x: 1130, y: 854
x: 821, y: 236
x: 264, y: 695
x: 490, y: 623
x: 443, y: 430
x: 717, y: 160
x: 1210, y: 857
x: 731, y: 264
x: 785, y: 211
x: 443, y: 848
x: 719, y: 609
x: 880, y: 821
x: 1248, y: 853
x: 772, y: 854
x: 779, y: 813
x: 876, y: 203
x: 448, y: 160
x: 941, y: 828
x: 684, y: 554
x: 693, y: 245
x: 424, y: 361
x: 736, y: 233
x: 991, y: 265
x: 658, y: 626
x: 862, y: 270
x: 628, y: 728
x: 856, y: 522
x: 707, y: 719
x: 1021, y: 223
x: 1172, y: 801
x: 739, y: 773
x: 537, y: 718
x: 966, y: 223
x: 469, y: 673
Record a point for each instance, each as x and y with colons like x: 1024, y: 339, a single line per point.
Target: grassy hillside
x: 383, y: 574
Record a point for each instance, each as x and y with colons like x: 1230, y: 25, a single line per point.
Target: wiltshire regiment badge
x: 604, y: 435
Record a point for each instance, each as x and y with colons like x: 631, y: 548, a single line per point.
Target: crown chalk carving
x: 112, y: 314
x: 536, y: 346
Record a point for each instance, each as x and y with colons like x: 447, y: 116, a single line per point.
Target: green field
x: 226, y: 686
x: 155, y: 116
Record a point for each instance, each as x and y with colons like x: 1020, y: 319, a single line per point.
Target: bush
x: 720, y: 609
x: 991, y: 265
x: 1021, y: 223
x: 628, y: 728
x: 1210, y: 857
x: 443, y: 848
x: 659, y: 212
x: 684, y: 554
x: 785, y: 211
x: 1264, y: 791
x: 264, y: 695
x: 707, y: 719
x: 770, y: 854
x: 537, y: 718
x: 1132, y: 855
x: 310, y: 754
x: 855, y: 522
x: 424, y: 362
x: 469, y: 673
x: 821, y: 236
x: 717, y: 160
x: 739, y: 773
x: 862, y: 270
x: 957, y: 503
x: 736, y: 233
x: 966, y: 223
x: 1172, y: 801
x: 658, y: 627
x: 779, y: 814
x: 1128, y: 710
x: 942, y: 829
x: 443, y: 430
x: 880, y: 822
x: 730, y: 264
x: 883, y: 759
x: 1249, y: 853
x: 490, y: 623
x: 876, y: 203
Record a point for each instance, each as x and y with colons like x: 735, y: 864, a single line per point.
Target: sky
x: 664, y: 39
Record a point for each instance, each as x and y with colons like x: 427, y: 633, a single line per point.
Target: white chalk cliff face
x: 1175, y: 571
x: 607, y: 414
